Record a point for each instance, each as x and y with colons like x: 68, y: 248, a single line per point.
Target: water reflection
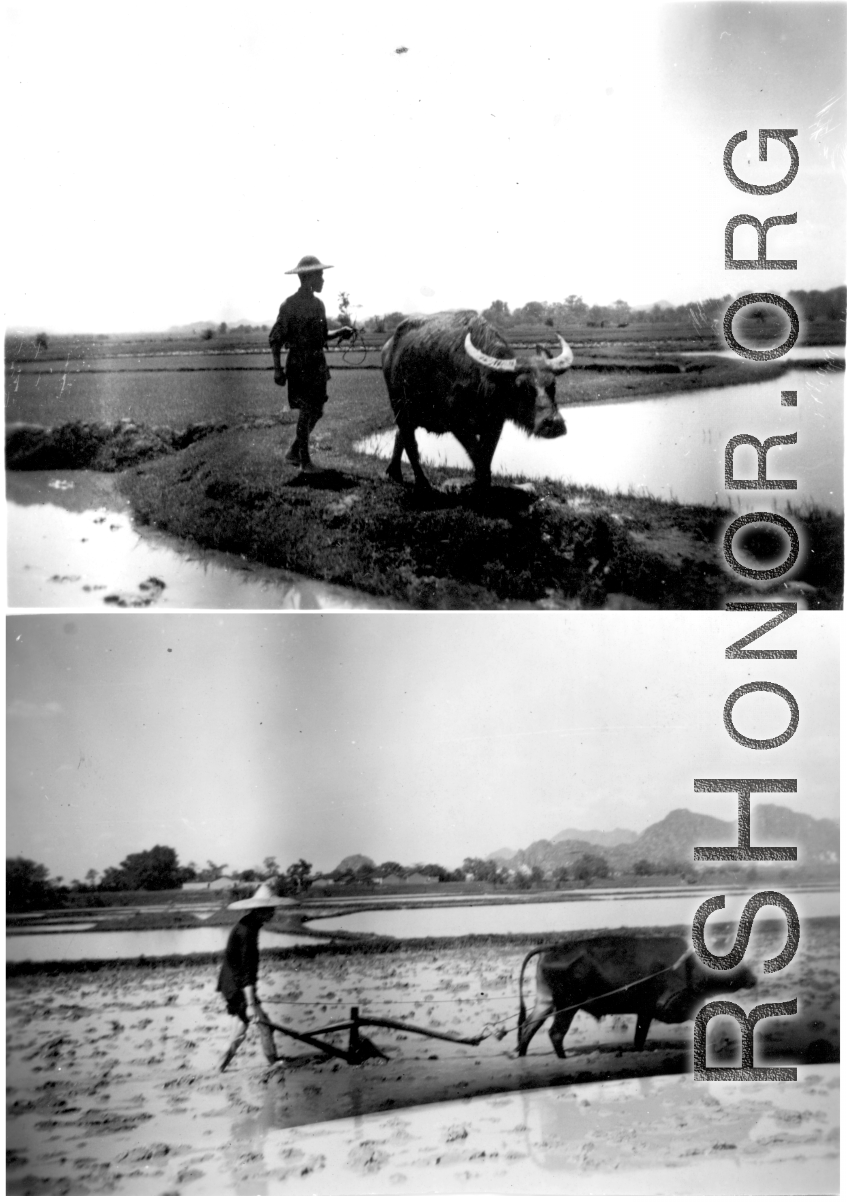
x: 830, y: 354
x: 594, y: 914
x: 72, y: 545
x: 127, y: 945
x: 673, y: 447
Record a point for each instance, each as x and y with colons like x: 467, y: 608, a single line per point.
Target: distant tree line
x: 29, y: 885
x: 814, y: 305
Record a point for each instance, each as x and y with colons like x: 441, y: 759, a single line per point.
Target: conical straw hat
x: 262, y: 899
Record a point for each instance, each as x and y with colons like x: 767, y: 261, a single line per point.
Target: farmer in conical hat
x: 301, y: 326
x: 240, y: 969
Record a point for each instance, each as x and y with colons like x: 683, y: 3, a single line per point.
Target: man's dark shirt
x: 301, y: 326
x: 241, y: 960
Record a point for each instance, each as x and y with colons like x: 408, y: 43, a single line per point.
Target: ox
x: 652, y: 976
x: 453, y: 373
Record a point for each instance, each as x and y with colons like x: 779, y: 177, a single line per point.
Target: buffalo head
x: 532, y: 400
x: 690, y: 983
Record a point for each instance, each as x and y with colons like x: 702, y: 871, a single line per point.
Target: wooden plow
x: 359, y: 1047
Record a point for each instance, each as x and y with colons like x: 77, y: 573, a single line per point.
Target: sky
x: 167, y: 163
x: 416, y: 738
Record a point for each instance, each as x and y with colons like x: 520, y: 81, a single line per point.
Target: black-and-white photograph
x: 326, y: 883
x: 321, y: 307
x: 424, y: 470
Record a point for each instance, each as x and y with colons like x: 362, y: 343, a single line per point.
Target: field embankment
x: 207, y: 463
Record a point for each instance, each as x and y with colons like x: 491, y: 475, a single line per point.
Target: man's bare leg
x: 306, y: 423
x: 239, y: 1034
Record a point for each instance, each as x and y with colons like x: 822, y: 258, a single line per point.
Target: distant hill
x: 194, y: 327
x: 672, y: 841
x: 353, y: 864
x: 817, y: 839
x: 601, y: 838
x: 502, y: 853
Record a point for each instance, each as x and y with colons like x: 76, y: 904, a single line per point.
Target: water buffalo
x: 453, y: 373
x: 655, y: 977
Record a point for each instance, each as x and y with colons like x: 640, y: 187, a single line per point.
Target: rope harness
x: 355, y: 345
x: 502, y: 1032
x: 499, y: 1032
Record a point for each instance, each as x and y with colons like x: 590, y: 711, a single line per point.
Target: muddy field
x: 113, y: 1086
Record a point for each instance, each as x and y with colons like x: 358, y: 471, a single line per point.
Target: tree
x: 113, y: 881
x: 271, y: 866
x: 643, y: 868
x: 222, y: 328
x: 41, y: 342
x: 91, y: 878
x: 298, y: 876
x: 498, y: 313
x: 211, y: 872
x: 157, y: 868
x: 28, y: 886
x: 483, y: 870
x: 207, y: 334
x: 590, y: 866
x: 390, y: 868
x: 532, y: 313
x: 436, y: 870
x: 574, y: 308
x: 560, y: 875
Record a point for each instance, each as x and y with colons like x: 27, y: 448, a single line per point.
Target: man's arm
x: 275, y: 339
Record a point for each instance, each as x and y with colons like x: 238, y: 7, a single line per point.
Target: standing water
x: 72, y: 545
x: 592, y: 913
x: 128, y: 945
x: 672, y: 447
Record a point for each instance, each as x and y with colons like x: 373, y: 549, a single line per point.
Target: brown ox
x: 651, y: 976
x: 453, y: 373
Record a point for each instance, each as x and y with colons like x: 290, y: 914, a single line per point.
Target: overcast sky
x: 167, y: 162
x: 407, y: 737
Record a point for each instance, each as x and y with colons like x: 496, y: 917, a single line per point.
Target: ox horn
x: 488, y: 360
x: 563, y: 360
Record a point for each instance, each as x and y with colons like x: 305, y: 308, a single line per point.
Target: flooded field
x: 113, y: 1087
x: 673, y: 447
x: 129, y: 945
x: 72, y: 545
x: 590, y: 914
x: 163, y: 390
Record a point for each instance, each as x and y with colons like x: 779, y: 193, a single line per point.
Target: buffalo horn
x: 488, y: 360
x: 563, y: 360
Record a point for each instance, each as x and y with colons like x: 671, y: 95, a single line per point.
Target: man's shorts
x: 237, y: 1006
x: 308, y: 391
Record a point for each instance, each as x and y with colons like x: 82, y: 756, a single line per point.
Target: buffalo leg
x: 394, y: 470
x: 542, y: 1011
x: 485, y: 448
x: 480, y: 449
x: 408, y: 443
x: 559, y: 1029
x: 642, y: 1026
